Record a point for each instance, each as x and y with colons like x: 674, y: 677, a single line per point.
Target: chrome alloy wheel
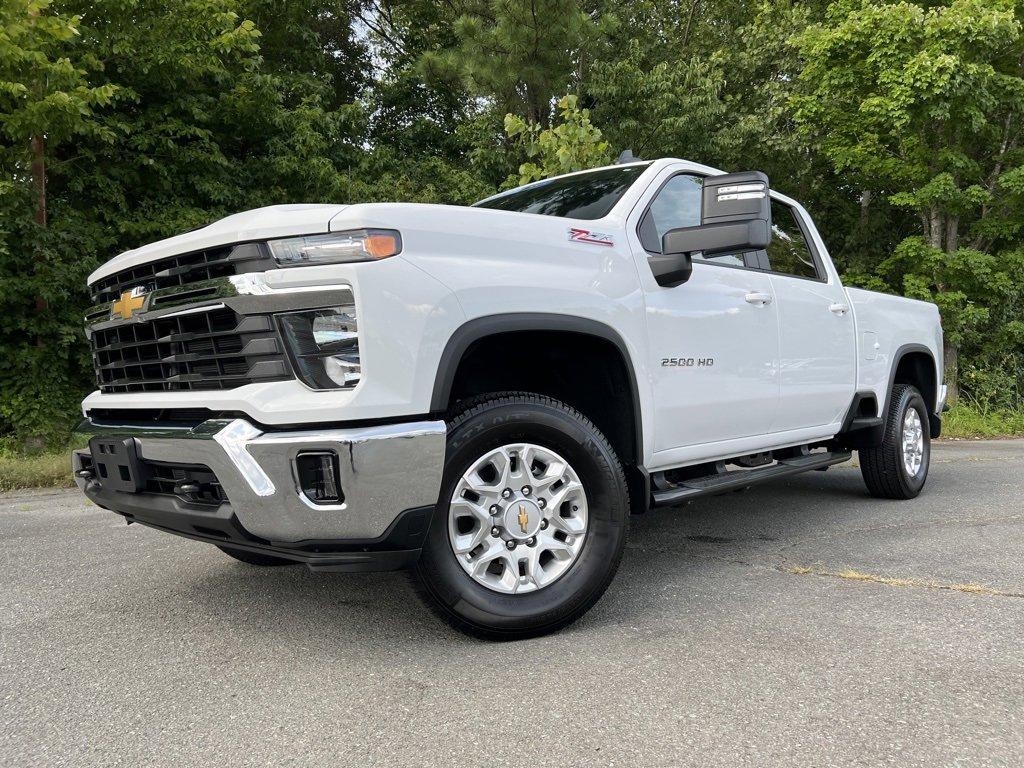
x: 913, y: 442
x: 518, y: 518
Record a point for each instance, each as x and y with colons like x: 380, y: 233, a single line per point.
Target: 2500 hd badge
x: 687, y: 362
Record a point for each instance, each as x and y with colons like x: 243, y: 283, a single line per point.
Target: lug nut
x: 531, y: 542
x: 507, y: 493
x: 543, y: 525
x: 541, y: 503
x: 495, y: 531
x: 527, y: 490
x: 495, y: 509
x: 511, y: 544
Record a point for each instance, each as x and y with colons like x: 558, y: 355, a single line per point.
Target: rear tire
x: 486, y: 592
x: 254, y: 558
x: 898, y: 468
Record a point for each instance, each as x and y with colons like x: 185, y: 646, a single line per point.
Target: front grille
x: 193, y: 483
x: 216, y: 349
x: 183, y: 269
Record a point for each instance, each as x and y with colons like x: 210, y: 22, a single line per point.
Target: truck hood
x: 257, y: 224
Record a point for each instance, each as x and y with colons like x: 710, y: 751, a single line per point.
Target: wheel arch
x: 916, y: 364
x: 473, y: 332
x: 624, y: 430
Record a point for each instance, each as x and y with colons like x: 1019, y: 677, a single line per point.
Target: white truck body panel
x: 885, y: 325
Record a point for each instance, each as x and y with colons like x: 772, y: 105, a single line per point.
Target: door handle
x: 760, y: 299
x: 838, y: 309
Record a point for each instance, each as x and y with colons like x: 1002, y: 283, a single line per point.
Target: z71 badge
x: 578, y: 235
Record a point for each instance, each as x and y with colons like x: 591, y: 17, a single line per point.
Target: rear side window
x: 788, y: 252
x: 589, y: 195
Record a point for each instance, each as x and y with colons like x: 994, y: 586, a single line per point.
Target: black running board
x: 685, y: 490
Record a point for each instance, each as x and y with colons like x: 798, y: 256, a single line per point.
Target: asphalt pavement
x: 801, y: 623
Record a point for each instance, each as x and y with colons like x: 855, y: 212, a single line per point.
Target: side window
x: 788, y: 251
x: 676, y: 205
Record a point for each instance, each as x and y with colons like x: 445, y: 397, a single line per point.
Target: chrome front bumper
x: 384, y: 471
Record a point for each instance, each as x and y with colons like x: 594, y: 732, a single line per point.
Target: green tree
x: 46, y: 102
x: 159, y: 117
x: 520, y: 54
x: 573, y: 144
x: 924, y: 105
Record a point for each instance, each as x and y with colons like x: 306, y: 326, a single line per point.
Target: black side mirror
x: 671, y: 269
x: 736, y: 215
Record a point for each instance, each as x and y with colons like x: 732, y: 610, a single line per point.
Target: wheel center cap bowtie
x: 522, y: 518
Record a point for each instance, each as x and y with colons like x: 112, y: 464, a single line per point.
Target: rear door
x: 817, y: 338
x: 714, y: 339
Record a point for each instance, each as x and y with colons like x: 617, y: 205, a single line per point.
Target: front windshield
x: 588, y: 195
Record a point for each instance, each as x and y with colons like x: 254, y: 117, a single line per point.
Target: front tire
x: 531, y: 522
x: 898, y: 468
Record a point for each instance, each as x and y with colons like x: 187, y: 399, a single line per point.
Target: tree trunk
x: 689, y: 24
x: 39, y: 178
x: 952, y: 237
x: 935, y: 227
x: 39, y: 185
x: 865, y: 206
x: 951, y: 354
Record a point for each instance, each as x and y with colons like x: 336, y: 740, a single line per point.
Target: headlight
x: 324, y: 346
x: 337, y: 247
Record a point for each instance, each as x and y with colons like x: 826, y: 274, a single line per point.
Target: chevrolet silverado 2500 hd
x: 483, y: 394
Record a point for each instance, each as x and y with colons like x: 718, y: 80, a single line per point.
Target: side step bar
x: 672, y: 494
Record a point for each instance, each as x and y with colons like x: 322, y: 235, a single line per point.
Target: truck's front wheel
x: 531, y: 522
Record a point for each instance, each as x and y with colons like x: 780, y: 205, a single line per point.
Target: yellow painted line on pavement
x: 889, y: 581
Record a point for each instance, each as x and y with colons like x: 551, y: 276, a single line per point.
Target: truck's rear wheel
x: 898, y: 468
x: 531, y: 521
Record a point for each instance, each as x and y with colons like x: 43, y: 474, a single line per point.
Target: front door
x: 714, y: 340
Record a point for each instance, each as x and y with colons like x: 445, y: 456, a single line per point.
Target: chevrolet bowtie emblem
x: 524, y: 518
x: 128, y: 303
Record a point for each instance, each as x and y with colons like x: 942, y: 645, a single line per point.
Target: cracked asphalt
x: 801, y: 623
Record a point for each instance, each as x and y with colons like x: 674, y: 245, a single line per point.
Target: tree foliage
x: 898, y: 124
x: 925, y: 105
x: 573, y: 144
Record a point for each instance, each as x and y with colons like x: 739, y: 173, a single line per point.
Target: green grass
x: 45, y: 470
x: 967, y: 420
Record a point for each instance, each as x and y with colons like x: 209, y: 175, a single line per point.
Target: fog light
x: 324, y: 346
x: 318, y: 477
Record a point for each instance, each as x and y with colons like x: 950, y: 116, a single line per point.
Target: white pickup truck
x: 484, y: 394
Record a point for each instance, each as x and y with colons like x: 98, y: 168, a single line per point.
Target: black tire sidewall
x: 911, y: 398
x: 550, y: 425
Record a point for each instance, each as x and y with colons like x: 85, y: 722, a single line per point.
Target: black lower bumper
x: 399, y: 546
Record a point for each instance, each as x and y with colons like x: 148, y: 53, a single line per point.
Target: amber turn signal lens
x: 381, y: 246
